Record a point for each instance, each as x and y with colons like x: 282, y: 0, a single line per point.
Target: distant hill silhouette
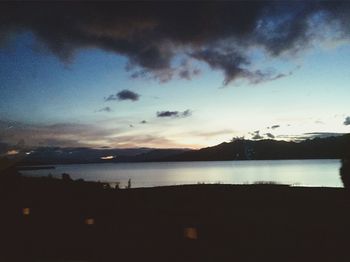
x: 56, y: 155
x: 241, y: 149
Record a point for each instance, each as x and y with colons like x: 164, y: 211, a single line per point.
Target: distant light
x: 30, y: 152
x: 26, y: 211
x: 12, y: 152
x: 107, y: 157
x: 89, y: 221
x: 191, y: 233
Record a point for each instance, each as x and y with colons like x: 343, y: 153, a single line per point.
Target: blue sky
x: 43, y: 97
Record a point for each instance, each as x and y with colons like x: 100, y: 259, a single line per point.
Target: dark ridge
x: 240, y: 149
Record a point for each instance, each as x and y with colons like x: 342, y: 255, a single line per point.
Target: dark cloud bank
x: 150, y: 34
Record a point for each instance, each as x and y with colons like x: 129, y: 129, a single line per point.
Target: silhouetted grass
x: 48, y: 219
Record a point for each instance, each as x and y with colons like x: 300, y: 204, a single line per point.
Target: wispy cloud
x: 174, y: 114
x: 105, y: 109
x: 235, y: 66
x: 185, y: 70
x: 215, y: 133
x: 144, y: 140
x: 310, y: 135
x: 61, y: 134
x: 22, y: 135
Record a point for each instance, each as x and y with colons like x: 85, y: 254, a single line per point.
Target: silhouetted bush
x: 345, y: 173
x: 106, y: 186
x: 66, y: 177
x: 8, y: 173
x: 129, y: 184
x: 5, y: 163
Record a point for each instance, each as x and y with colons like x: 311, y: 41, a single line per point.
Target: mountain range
x: 238, y: 149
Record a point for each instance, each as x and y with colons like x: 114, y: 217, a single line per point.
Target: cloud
x: 322, y: 134
x: 143, y: 122
x: 347, y: 121
x: 216, y: 133
x: 128, y: 95
x: 23, y: 135
x: 269, y: 135
x: 105, y: 109
x: 256, y: 135
x: 124, y: 95
x: 186, y: 113
x: 231, y: 63
x: 188, y: 73
x: 151, y: 35
x: 174, y: 114
x: 311, y: 135
x: 111, y: 98
x: 151, y: 141
x: 234, y: 65
x: 183, y: 71
x: 168, y: 114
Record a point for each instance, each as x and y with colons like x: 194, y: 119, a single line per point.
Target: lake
x: 324, y: 173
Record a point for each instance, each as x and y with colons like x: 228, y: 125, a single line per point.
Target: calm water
x: 294, y: 172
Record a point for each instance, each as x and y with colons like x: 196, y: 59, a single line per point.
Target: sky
x: 172, y: 74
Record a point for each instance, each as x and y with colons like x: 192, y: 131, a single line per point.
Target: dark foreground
x: 52, y: 220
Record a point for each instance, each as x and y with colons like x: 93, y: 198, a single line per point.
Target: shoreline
x: 176, y: 161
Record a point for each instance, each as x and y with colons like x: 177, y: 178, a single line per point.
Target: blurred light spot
x: 89, y: 221
x: 12, y: 152
x: 191, y: 233
x: 107, y: 157
x: 26, y: 211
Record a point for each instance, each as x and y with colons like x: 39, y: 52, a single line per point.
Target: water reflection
x: 294, y: 172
